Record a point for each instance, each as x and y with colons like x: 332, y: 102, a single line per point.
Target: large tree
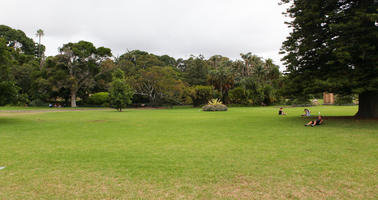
x: 222, y: 79
x: 8, y: 89
x: 81, y: 62
x: 195, y: 70
x: 159, y: 84
x: 18, y: 40
x: 333, y: 47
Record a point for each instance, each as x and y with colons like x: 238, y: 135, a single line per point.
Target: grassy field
x: 244, y: 153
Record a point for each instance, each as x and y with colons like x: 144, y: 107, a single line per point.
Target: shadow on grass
x: 351, y: 118
x: 10, y: 121
x: 337, y: 120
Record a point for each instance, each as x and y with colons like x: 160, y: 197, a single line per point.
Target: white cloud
x: 175, y: 27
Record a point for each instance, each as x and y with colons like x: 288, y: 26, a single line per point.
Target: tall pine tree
x: 333, y: 47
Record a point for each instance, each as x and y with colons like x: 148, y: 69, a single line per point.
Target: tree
x: 17, y: 40
x: 135, y: 60
x: 120, y: 92
x: 159, y: 84
x: 39, y: 34
x: 81, y: 62
x: 246, y: 69
x: 222, y: 79
x: 8, y: 89
x: 333, y: 47
x: 201, y: 94
x: 195, y: 70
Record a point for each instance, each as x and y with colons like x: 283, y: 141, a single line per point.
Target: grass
x: 17, y: 108
x: 244, y: 153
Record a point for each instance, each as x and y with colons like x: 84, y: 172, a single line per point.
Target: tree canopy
x: 333, y: 48
x: 82, y: 70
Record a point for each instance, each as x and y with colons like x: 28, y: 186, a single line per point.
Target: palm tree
x: 39, y: 34
x: 246, y: 58
x: 222, y: 79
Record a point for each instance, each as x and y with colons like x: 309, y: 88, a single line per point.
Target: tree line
x: 84, y: 74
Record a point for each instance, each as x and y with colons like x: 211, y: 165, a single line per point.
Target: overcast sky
x: 178, y: 28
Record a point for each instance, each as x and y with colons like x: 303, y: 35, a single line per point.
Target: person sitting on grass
x: 281, y: 112
x: 306, y: 113
x: 318, y: 121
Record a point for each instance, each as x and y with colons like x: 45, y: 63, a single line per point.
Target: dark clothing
x: 317, y: 122
x: 280, y: 112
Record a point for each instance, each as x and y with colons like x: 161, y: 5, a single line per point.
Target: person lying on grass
x: 281, y: 112
x: 318, y: 121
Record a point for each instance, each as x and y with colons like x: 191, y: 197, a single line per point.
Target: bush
x: 99, y: 98
x: 38, y: 102
x: 342, y: 100
x: 214, y: 108
x: 238, y: 96
x: 201, y: 94
x: 301, y: 101
x: 256, y: 97
x: 215, y: 105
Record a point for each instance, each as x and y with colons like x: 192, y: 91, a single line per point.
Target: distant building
x: 328, y: 98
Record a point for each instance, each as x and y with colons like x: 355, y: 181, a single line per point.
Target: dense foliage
x: 82, y: 74
x: 333, y: 47
x: 120, y: 92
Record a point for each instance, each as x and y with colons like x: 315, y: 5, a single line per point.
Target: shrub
x: 342, y: 100
x: 99, y: 98
x: 201, y: 94
x: 301, y: 101
x: 256, y: 97
x: 214, y: 108
x: 38, y: 102
x: 215, y: 105
x: 238, y: 96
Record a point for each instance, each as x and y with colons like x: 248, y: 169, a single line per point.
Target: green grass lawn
x: 244, y: 153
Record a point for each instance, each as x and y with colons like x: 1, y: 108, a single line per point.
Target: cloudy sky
x: 178, y: 28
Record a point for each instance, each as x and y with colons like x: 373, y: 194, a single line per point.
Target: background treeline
x: 84, y: 73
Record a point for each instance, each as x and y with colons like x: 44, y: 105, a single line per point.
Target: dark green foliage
x: 344, y: 99
x: 333, y: 47
x: 81, y: 69
x: 80, y: 63
x: 135, y: 60
x: 221, y: 77
x: 99, y: 98
x: 38, y: 102
x: 18, y: 40
x: 8, y: 88
x: 120, y: 93
x: 201, y: 94
x: 8, y: 93
x: 195, y: 70
x: 239, y: 95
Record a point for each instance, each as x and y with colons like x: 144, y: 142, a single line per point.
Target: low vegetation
x: 215, y: 105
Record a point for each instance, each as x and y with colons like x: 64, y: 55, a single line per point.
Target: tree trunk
x: 367, y: 105
x: 39, y: 53
x: 73, y: 99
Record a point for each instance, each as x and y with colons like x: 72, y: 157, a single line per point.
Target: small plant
x: 215, y: 105
x: 215, y: 102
